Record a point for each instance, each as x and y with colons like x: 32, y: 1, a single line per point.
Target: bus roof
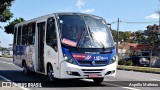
x: 49, y: 15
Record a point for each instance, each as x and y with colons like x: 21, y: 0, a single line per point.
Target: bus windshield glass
x: 84, y: 31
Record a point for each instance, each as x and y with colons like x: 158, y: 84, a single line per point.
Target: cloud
x: 152, y: 16
x: 80, y: 3
x: 88, y: 10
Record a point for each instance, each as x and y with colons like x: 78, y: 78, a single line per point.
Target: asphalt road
x: 125, y: 80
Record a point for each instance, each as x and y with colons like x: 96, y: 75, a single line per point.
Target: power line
x: 140, y: 22
x: 135, y: 22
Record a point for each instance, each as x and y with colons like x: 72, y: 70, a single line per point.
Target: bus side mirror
x: 109, y: 26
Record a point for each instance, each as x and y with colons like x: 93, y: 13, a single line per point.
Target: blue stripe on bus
x: 99, y: 59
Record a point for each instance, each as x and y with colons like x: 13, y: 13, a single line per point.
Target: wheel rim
x: 25, y: 69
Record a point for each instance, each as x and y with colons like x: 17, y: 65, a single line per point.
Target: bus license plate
x: 92, y: 75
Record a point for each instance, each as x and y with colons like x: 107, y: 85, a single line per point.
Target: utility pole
x: 159, y: 17
x: 117, y: 36
x: 158, y: 12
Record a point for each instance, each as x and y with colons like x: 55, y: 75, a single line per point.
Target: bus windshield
x: 84, y: 31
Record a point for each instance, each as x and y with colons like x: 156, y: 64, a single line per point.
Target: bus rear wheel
x: 25, y: 69
x: 98, y: 80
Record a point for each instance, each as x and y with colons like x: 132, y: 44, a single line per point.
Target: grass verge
x: 7, y: 56
x: 140, y: 69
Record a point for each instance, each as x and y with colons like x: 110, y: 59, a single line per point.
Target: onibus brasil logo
x: 13, y: 84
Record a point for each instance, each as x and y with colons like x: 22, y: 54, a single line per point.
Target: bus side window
x: 19, y: 36
x: 31, y: 33
x: 15, y: 36
x: 24, y: 35
x: 51, y: 36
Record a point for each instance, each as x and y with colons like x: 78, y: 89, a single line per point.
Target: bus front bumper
x: 69, y: 71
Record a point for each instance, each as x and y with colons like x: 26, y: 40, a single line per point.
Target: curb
x: 138, y: 71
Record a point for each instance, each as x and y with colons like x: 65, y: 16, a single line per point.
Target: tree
x: 114, y: 34
x: 126, y: 36
x: 123, y: 36
x: 5, y: 13
x: 9, y: 29
x: 153, y: 38
x: 139, y: 38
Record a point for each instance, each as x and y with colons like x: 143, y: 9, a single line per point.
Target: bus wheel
x: 25, y: 69
x: 50, y: 73
x: 98, y: 80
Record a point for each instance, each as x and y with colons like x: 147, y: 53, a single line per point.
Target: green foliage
x: 7, y: 56
x: 5, y: 13
x: 129, y: 63
x: 121, y: 62
x: 2, y: 48
x: 114, y: 34
x: 9, y: 29
x: 122, y: 35
x: 138, y: 37
x: 140, y: 69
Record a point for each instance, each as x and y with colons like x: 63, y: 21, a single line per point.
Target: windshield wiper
x: 81, y: 38
x: 99, y: 42
x: 90, y: 34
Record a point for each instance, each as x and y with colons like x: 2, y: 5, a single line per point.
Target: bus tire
x: 98, y: 80
x: 50, y: 72
x: 25, y: 69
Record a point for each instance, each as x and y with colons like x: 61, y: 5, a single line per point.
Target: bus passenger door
x: 40, y: 45
x: 51, y: 47
x: 29, y: 45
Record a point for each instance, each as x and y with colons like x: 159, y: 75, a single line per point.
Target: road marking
x: 4, y: 78
x: 155, y: 79
x: 6, y: 63
x: 13, y: 82
x: 122, y: 86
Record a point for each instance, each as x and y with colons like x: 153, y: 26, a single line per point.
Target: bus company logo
x: 93, y: 63
x: 88, y: 57
x: 100, y: 58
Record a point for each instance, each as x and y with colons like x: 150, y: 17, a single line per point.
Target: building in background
x: 152, y: 29
x: 10, y: 49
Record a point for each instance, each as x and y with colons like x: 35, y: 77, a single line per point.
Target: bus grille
x: 89, y: 71
x: 89, y: 63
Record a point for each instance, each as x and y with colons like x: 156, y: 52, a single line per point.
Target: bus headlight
x: 112, y: 60
x: 68, y: 59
